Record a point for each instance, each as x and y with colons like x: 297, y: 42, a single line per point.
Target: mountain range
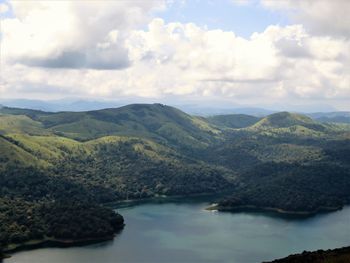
x: 322, y: 113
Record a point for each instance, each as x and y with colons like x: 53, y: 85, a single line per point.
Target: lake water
x: 182, y: 231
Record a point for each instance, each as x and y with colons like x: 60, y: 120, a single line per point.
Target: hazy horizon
x: 191, y: 107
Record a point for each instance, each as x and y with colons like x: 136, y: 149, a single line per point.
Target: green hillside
x: 154, y: 121
x: 233, y: 120
x: 20, y: 124
x: 11, y: 154
x: 33, y: 114
x: 79, y: 159
x: 287, y: 120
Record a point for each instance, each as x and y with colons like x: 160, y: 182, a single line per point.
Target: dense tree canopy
x: 57, y: 170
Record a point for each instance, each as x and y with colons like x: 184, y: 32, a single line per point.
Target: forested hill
x: 154, y: 121
x: 78, y: 161
x: 233, y: 120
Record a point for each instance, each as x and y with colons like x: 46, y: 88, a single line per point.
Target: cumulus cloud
x: 322, y: 17
x: 167, y: 60
x: 73, y: 34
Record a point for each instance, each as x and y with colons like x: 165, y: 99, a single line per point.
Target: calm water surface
x: 182, y: 231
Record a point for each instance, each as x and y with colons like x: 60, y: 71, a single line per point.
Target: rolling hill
x: 287, y: 120
x: 233, y: 120
x: 156, y: 121
x: 283, y: 161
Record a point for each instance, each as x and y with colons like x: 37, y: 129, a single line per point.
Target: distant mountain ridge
x: 336, y: 117
x: 77, y: 105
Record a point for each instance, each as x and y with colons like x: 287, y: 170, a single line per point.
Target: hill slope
x: 283, y: 161
x: 155, y: 121
x: 287, y: 120
x: 233, y: 120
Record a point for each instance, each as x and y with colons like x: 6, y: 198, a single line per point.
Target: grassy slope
x: 286, y: 119
x: 20, y: 124
x: 128, y: 152
x: 155, y: 121
x: 12, y: 154
x: 144, y: 137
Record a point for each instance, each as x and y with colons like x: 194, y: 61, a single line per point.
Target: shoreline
x: 54, y: 242
x: 217, y: 207
x: 116, y: 204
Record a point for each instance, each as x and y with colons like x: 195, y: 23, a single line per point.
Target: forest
x: 59, y: 170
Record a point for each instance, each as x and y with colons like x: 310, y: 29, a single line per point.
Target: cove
x: 183, y: 231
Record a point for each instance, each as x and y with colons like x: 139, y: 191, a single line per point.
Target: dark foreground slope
x: 340, y: 255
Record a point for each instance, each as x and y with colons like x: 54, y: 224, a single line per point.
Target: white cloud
x: 166, y: 60
x: 322, y: 17
x: 73, y: 34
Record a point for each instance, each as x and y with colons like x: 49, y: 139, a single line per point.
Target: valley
x: 73, y: 163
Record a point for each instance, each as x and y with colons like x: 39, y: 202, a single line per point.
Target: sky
x: 287, y: 55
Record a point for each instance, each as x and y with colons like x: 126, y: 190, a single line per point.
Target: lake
x: 182, y: 231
